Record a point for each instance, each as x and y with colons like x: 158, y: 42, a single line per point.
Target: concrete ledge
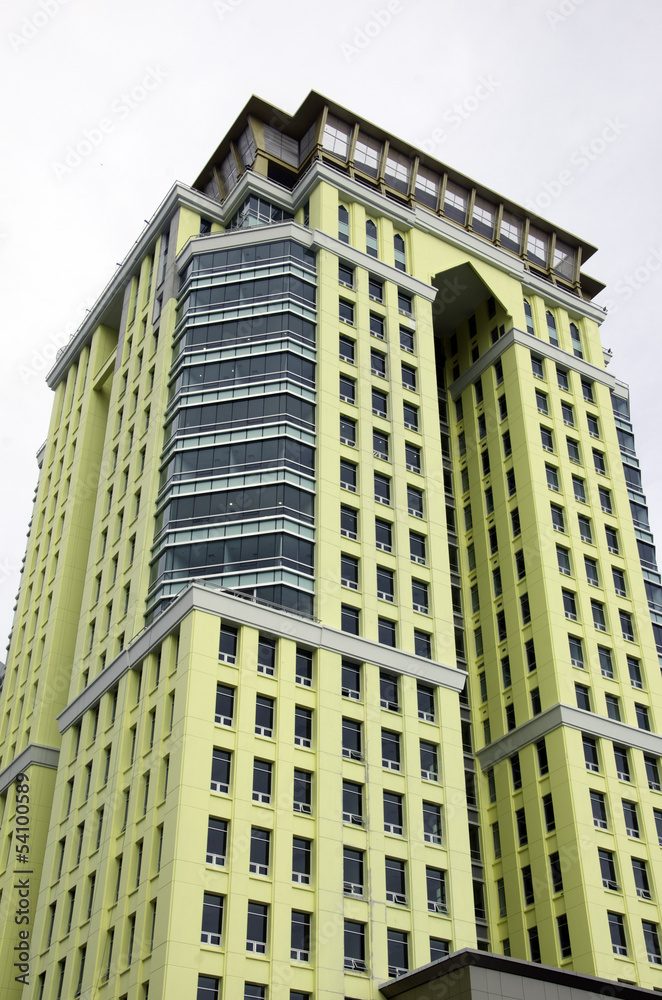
x: 483, y: 975
x: 279, y: 623
x: 34, y: 755
x: 575, y: 718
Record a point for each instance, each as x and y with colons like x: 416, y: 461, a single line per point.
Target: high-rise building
x: 334, y: 650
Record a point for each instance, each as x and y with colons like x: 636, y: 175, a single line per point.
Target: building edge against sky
x: 340, y: 380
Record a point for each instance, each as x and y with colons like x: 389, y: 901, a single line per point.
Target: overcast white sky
x: 550, y: 77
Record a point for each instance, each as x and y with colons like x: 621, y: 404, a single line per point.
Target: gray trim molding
x: 575, y: 718
x: 276, y: 622
x: 310, y: 238
x: 541, y: 347
x: 34, y: 755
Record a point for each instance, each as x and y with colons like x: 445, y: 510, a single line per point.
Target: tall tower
x: 333, y: 652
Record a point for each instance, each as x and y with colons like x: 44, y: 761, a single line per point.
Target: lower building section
x: 473, y: 975
x: 210, y: 829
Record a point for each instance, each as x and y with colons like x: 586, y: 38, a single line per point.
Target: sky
x: 551, y: 103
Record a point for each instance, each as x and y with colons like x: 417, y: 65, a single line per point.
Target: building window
x: 393, y: 813
x: 569, y: 605
x: 220, y: 771
x: 212, y: 919
x: 429, y: 761
x: 585, y: 532
x: 352, y: 803
x: 256, y: 928
x: 558, y: 519
x: 583, y: 697
x: 590, y: 753
x: 264, y: 716
x: 351, y: 739
x: 399, y: 252
x: 300, y: 937
x: 396, y: 891
x: 612, y: 540
x: 301, y: 860
x: 626, y: 626
x: 259, y: 852
x: 652, y: 773
x: 227, y: 650
x: 303, y: 791
x: 617, y: 933
x: 217, y: 836
x: 351, y: 680
x: 599, y: 810
x: 613, y: 707
x: 354, y: 946
x: 346, y: 349
x: 262, y: 778
x: 398, y: 952
x: 432, y: 832
x: 631, y: 818
x: 652, y: 940
x: 547, y: 438
x: 353, y: 867
x: 343, y: 224
x: 410, y: 414
x: 347, y: 391
x: 436, y: 890
x: 371, y: 238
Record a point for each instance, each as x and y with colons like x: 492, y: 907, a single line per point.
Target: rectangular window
x: 262, y: 777
x: 304, y: 667
x: 256, y: 928
x: 352, y: 803
x: 301, y: 860
x: 351, y: 680
x: 393, y: 813
x: 617, y: 934
x: 354, y: 946
x: 212, y: 919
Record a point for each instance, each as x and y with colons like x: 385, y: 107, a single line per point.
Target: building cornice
x: 278, y: 623
x: 574, y: 718
x: 403, y: 216
x: 539, y: 347
x: 34, y: 755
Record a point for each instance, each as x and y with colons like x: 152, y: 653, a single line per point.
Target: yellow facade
x: 480, y: 531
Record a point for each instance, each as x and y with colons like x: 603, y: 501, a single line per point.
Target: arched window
x: 343, y: 224
x: 576, y: 338
x: 399, y: 251
x: 529, y: 318
x: 371, y: 238
x: 551, y: 329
